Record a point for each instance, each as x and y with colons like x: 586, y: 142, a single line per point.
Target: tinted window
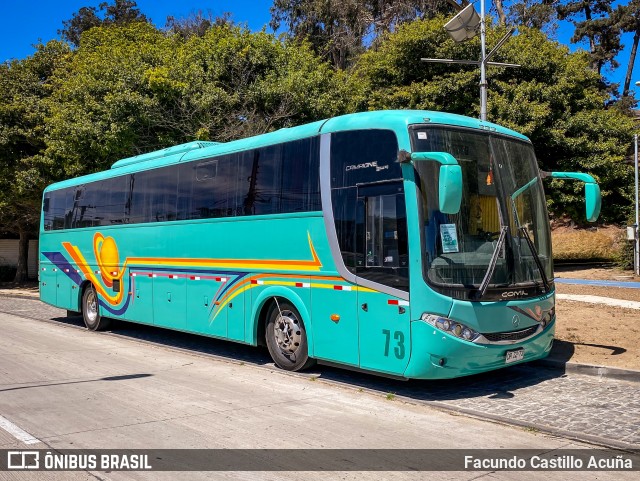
x: 110, y: 201
x: 153, y: 196
x: 268, y: 180
x: 206, y: 185
x: 363, y: 157
x: 381, y: 235
x: 84, y: 209
x: 57, y: 209
x: 300, y: 181
x: 276, y: 179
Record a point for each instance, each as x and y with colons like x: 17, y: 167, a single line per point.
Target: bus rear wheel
x: 286, y: 337
x: 91, y: 312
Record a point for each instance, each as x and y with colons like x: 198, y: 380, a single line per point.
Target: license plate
x: 513, y: 356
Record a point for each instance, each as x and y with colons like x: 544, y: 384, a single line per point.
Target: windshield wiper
x: 536, y: 258
x: 484, y: 285
x: 525, y: 234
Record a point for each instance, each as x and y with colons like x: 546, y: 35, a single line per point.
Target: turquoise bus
x: 409, y: 243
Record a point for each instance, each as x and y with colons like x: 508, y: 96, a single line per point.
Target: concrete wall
x: 9, y: 255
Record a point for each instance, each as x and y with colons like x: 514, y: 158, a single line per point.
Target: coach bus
x: 409, y: 243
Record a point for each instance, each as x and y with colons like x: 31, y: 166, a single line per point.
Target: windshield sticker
x: 422, y: 135
x: 449, y: 238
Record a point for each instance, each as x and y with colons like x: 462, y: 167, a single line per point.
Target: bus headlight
x: 452, y: 327
x: 548, y: 317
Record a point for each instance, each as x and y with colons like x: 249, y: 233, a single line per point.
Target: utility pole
x: 636, y: 241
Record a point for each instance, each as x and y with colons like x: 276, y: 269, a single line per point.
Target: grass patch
x: 595, y: 244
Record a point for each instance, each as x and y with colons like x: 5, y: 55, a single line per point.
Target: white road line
x: 16, y: 432
x: 600, y: 300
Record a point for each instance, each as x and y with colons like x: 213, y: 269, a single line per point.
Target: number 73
x: 398, y: 336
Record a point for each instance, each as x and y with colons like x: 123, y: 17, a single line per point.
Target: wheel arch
x: 81, y: 288
x: 262, y: 305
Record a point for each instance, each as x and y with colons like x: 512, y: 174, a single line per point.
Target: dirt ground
x: 597, y: 334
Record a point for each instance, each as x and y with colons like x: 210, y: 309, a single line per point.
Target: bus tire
x: 286, y: 337
x: 91, y: 312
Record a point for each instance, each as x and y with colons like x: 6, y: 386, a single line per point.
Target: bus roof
x: 397, y: 120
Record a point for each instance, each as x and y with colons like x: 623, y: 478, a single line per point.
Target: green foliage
x: 24, y: 84
x: 554, y: 98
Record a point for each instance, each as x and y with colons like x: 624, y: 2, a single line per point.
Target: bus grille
x: 511, y: 336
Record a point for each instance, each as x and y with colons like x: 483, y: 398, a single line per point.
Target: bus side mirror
x: 450, y: 180
x: 593, y: 201
x: 592, y: 198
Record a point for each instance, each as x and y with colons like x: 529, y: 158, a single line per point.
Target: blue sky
x: 25, y: 23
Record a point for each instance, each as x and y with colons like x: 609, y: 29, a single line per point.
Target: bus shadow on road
x: 498, y: 384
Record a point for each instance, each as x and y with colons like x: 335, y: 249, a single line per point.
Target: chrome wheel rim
x: 91, y: 306
x: 288, y: 333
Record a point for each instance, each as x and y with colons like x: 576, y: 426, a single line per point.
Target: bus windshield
x: 499, y: 240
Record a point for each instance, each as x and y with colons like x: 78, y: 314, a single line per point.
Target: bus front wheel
x: 286, y: 337
x: 91, y: 312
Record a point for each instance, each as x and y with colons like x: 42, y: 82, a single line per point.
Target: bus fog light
x: 447, y: 325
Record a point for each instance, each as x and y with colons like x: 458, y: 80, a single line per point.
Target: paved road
x: 70, y: 388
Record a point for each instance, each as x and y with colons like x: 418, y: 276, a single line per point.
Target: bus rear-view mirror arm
x: 450, y: 180
x: 592, y: 198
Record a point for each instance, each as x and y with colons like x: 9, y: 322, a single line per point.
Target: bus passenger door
x: 381, y: 240
x: 203, y: 314
x: 169, y: 300
x: 334, y: 307
x: 140, y: 307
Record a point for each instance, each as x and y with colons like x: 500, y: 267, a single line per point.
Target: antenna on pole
x: 464, y: 26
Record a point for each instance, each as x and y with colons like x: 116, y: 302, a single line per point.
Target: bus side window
x: 300, y: 186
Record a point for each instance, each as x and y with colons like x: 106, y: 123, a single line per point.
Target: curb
x: 590, y: 370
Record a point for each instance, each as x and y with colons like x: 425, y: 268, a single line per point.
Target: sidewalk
x: 597, y: 282
x: 28, y: 293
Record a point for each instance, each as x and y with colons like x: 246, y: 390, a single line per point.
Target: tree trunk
x: 632, y: 59
x: 500, y: 9
x: 22, y: 272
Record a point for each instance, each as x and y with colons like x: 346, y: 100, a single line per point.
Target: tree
x: 196, y: 23
x: 132, y: 89
x: 628, y: 17
x: 119, y: 12
x: 339, y: 30
x: 598, y: 27
x: 540, y: 14
x: 24, y: 86
x: 554, y: 98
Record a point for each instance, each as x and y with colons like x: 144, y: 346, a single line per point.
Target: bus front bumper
x: 437, y: 355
